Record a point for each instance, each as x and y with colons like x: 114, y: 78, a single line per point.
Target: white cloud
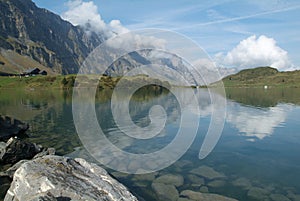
x: 256, y: 51
x: 117, y: 27
x: 86, y: 15
x: 138, y: 41
x: 256, y: 123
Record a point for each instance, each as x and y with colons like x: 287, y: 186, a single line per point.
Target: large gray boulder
x: 57, y: 178
x: 10, y: 127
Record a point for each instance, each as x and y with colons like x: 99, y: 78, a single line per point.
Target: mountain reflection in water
x: 258, y: 149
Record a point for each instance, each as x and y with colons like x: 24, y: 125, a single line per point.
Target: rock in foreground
x: 10, y: 127
x: 15, y: 150
x: 58, y: 177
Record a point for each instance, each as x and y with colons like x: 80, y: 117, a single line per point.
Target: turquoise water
x: 256, y: 158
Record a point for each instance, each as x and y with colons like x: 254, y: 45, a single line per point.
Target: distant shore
x: 68, y: 82
x: 261, y: 77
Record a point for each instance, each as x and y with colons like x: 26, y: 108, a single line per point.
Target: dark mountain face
x: 44, y: 36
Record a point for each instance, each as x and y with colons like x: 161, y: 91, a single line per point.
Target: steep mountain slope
x: 42, y: 36
x: 148, y: 59
x: 34, y: 37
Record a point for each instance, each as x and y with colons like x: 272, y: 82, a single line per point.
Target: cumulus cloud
x: 256, y: 123
x: 117, y: 27
x: 135, y: 40
x: 256, y: 51
x: 86, y: 15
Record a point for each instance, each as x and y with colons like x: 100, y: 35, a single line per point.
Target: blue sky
x: 217, y: 26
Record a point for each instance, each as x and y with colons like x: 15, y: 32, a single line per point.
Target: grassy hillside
x: 33, y: 82
x: 262, y: 76
x: 14, y: 63
x: 67, y: 82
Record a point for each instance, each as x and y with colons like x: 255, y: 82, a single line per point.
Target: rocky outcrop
x: 10, y: 127
x: 15, y: 150
x: 56, y: 44
x: 49, y: 177
x: 61, y: 178
x: 18, y: 151
x: 44, y: 36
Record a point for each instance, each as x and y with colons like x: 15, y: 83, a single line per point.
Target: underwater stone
x: 279, y: 197
x: 204, y: 196
x: 258, y: 193
x: 165, y: 192
x: 195, y: 180
x: 242, y: 182
x: 207, y: 172
x: 176, y: 180
x: 216, y: 183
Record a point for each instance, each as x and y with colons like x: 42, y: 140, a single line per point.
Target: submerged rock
x: 144, y: 177
x: 184, y: 163
x: 165, y: 192
x: 176, y: 180
x: 192, y: 195
x: 183, y: 199
x: 204, y: 189
x: 16, y: 150
x: 61, y: 178
x: 279, y: 197
x: 216, y: 183
x: 242, y: 182
x: 195, y: 180
x: 258, y: 193
x: 207, y: 172
x: 10, y: 127
x: 293, y: 196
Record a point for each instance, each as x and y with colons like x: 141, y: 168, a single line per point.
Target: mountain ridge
x: 44, y: 36
x: 35, y: 37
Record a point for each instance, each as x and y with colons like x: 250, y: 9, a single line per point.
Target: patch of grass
x: 30, y: 82
x: 7, y: 81
x: 68, y: 82
x: 263, y: 76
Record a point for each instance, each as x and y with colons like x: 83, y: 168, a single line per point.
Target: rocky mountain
x: 148, y: 60
x: 33, y: 36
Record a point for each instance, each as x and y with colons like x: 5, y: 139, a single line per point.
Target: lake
x: 256, y: 157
